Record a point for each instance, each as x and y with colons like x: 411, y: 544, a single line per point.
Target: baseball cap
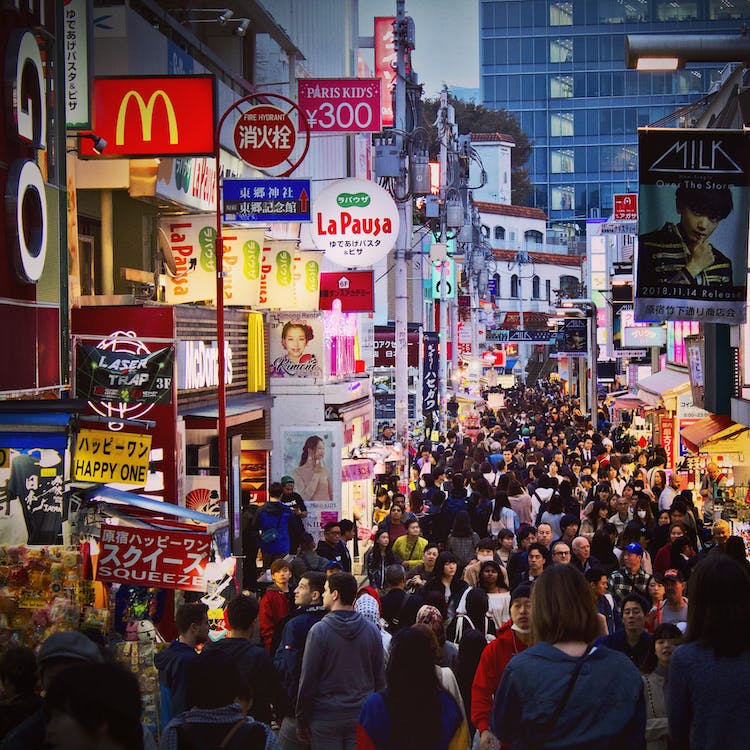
x: 673, y: 575
x: 69, y: 644
x: 287, y: 480
x: 334, y: 564
x: 635, y: 548
x: 522, y: 591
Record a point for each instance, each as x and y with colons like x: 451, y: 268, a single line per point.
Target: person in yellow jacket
x: 411, y: 546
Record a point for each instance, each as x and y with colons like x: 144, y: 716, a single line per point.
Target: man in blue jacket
x: 192, y: 625
x: 308, y: 596
x: 274, y: 523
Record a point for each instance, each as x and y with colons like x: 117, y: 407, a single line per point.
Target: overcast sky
x: 447, y: 39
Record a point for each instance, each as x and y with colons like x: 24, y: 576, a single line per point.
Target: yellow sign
x: 146, y: 112
x: 4, y: 458
x: 103, y: 456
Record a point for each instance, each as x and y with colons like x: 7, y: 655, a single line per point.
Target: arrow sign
x: 266, y: 200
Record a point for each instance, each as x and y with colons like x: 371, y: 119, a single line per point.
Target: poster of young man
x: 296, y: 345
x: 693, y: 225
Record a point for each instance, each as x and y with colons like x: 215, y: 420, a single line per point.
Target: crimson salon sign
x: 355, y: 222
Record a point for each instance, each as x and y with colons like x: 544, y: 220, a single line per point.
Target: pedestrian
x: 378, y: 558
x: 308, y: 598
x: 418, y: 576
x: 341, y: 667
x: 447, y: 582
x: 19, y: 679
x: 667, y: 637
x: 511, y: 639
x: 192, y: 625
x: 709, y: 675
x: 94, y: 707
x: 410, y: 547
x: 221, y: 701
x: 307, y: 558
x: 630, y: 578
x: 605, y: 602
x: 561, y: 687
x: 252, y: 660
x: 275, y: 526
x: 463, y: 539
x: 399, y: 607
x: 433, y: 721
x: 633, y: 640
x: 275, y: 604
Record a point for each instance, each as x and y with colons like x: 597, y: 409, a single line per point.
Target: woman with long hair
x: 643, y: 513
x: 462, y: 540
x: 660, y: 532
x: 552, y: 514
x: 378, y: 558
x: 493, y: 578
x: 447, y: 582
x: 595, y: 516
x: 658, y: 482
x: 665, y: 639
x: 502, y: 516
x: 709, y: 676
x: 663, y: 559
x: 433, y: 720
x: 312, y: 479
x: 561, y: 687
x: 602, y: 549
x: 520, y: 501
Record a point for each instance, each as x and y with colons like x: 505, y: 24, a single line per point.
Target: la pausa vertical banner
x: 693, y: 225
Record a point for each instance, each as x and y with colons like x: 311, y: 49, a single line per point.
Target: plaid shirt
x: 622, y: 582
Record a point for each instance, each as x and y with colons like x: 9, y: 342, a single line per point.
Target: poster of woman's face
x: 296, y: 346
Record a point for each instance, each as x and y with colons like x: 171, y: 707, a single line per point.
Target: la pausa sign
x: 355, y: 222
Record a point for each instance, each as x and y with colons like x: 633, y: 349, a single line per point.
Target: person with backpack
x: 274, y: 523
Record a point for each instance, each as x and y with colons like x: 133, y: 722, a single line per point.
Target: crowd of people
x: 541, y: 585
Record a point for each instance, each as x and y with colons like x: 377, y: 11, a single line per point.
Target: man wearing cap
x: 674, y: 607
x: 630, y: 578
x: 58, y: 652
x: 293, y: 500
x: 511, y: 639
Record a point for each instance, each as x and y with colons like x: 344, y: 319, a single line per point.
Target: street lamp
x: 590, y: 307
x: 670, y: 52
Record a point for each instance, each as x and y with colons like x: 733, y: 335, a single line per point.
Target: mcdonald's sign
x: 153, y: 116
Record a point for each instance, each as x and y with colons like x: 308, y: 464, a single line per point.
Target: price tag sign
x: 340, y: 105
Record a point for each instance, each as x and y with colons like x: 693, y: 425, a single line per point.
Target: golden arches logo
x: 146, y: 112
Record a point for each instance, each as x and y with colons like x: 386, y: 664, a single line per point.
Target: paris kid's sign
x: 340, y: 105
x: 355, y: 222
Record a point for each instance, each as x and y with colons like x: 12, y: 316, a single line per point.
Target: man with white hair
x: 582, y: 558
x: 713, y: 486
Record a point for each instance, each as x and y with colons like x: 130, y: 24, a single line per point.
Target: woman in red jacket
x: 512, y: 638
x: 274, y: 604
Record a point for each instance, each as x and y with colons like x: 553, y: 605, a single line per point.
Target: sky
x: 437, y: 57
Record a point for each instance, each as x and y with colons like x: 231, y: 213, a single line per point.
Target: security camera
x: 225, y: 16
x: 241, y: 30
x: 99, y: 144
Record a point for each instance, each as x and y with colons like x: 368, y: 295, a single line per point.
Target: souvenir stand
x: 135, y: 551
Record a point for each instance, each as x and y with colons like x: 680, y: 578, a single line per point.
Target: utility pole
x: 403, y: 244
x: 444, y: 134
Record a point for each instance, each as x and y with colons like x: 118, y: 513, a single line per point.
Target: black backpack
x: 242, y: 735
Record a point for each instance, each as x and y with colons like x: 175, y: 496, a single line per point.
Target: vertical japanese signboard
x: 430, y: 376
x: 693, y: 225
x: 77, y: 41
x: 385, y: 65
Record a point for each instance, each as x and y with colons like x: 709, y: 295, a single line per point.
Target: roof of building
x: 538, y: 257
x: 523, y: 212
x: 492, y: 138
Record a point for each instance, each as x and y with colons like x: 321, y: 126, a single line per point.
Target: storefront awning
x: 662, y: 385
x: 239, y: 410
x: 710, y: 428
x: 629, y: 402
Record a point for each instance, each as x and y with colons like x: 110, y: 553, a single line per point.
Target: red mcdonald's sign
x: 154, y: 116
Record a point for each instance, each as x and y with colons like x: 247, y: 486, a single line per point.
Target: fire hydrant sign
x: 103, y: 456
x: 264, y: 136
x: 340, y: 105
x: 148, y: 557
x: 355, y: 222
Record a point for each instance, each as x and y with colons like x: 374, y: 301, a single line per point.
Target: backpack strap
x: 232, y: 731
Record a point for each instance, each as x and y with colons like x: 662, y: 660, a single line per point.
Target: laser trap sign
x: 355, y: 222
x: 103, y: 456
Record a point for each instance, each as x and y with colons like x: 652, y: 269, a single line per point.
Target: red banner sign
x: 146, y: 557
x: 667, y: 439
x: 153, y: 116
x: 355, y: 289
x: 626, y: 207
x: 340, y: 105
x: 385, y: 65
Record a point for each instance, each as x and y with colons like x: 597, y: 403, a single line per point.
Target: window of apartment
x: 569, y: 286
x: 496, y: 277
x: 499, y: 232
x: 548, y: 290
x: 533, y: 237
x: 561, y: 14
x: 561, y: 50
x: 721, y: 9
x: 668, y: 10
x: 561, y: 87
x: 562, y: 197
x: 515, y: 286
x: 561, y: 160
x: 561, y: 124
x: 536, y: 287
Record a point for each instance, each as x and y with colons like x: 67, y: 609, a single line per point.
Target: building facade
x: 560, y: 68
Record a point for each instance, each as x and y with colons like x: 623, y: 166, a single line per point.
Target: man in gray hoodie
x: 342, y: 666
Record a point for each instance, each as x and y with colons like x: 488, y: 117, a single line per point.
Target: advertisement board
x: 693, y: 228
x: 385, y: 65
x: 295, y: 344
x: 354, y: 289
x: 340, y: 105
